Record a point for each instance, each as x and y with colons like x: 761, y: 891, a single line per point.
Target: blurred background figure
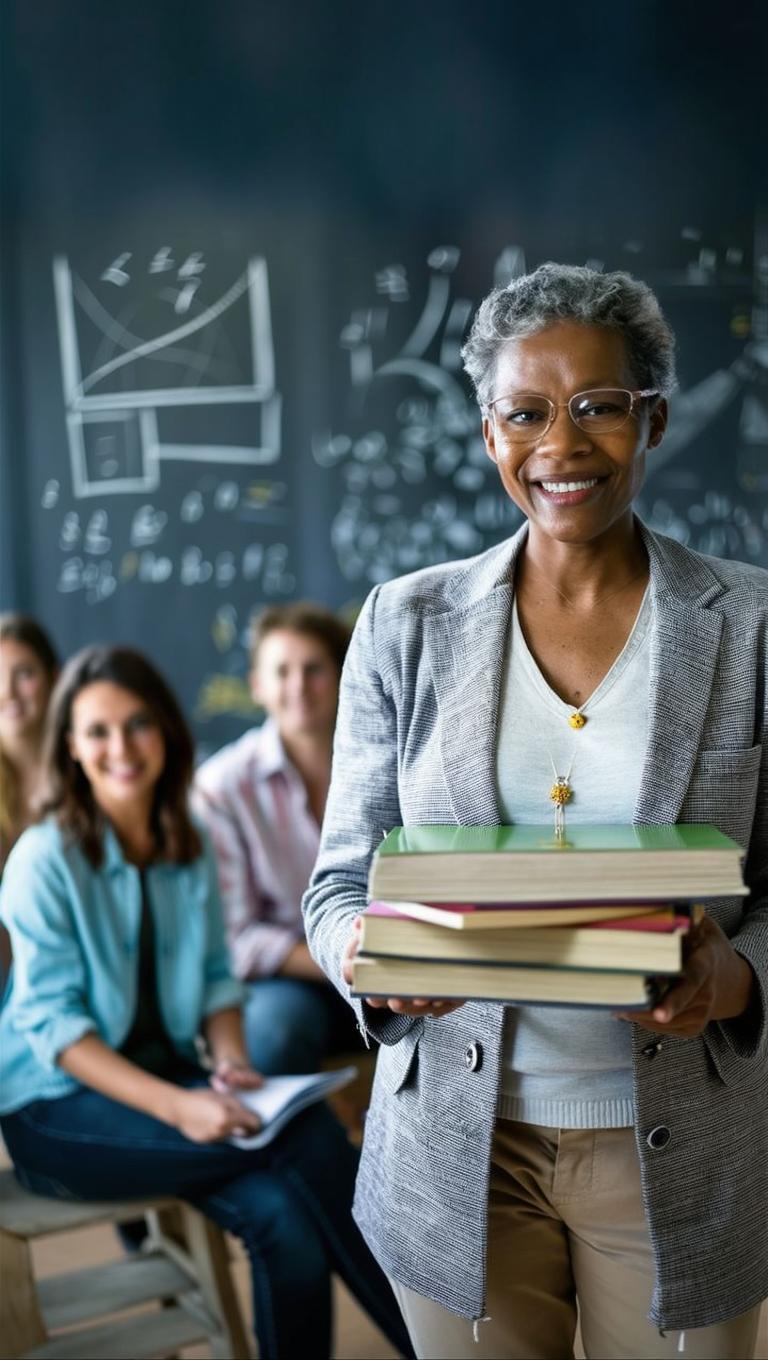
x: 120, y: 964
x: 28, y: 669
x: 262, y: 799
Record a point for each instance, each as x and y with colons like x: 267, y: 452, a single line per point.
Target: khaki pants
x: 566, y: 1222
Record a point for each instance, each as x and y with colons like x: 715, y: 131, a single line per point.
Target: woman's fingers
x: 241, y: 1118
x: 413, y: 1005
x: 350, y: 949
x: 235, y: 1076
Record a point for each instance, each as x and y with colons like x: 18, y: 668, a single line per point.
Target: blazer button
x: 473, y: 1058
x: 650, y: 1050
x: 658, y: 1137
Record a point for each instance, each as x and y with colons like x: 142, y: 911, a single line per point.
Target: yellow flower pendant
x: 561, y: 792
x: 577, y: 720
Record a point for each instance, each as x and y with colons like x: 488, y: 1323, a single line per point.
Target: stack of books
x: 515, y: 914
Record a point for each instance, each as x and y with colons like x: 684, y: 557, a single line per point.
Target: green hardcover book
x: 530, y: 864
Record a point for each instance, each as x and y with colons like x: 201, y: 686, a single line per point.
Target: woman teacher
x: 519, y: 1161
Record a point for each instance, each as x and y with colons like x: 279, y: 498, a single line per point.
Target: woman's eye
x: 140, y: 723
x: 601, y: 408
x: 522, y: 415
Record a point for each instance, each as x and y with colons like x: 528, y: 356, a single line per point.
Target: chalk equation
x: 157, y: 355
x: 416, y: 484
x: 155, y: 545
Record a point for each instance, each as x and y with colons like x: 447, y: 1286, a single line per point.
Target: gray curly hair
x: 566, y: 292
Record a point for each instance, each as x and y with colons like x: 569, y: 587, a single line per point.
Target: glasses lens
x: 601, y: 410
x: 523, y: 416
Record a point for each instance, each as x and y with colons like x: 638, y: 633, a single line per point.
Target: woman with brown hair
x: 28, y: 669
x: 120, y: 970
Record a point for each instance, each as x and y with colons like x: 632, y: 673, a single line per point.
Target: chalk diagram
x: 415, y: 425
x: 418, y: 487
x: 124, y: 418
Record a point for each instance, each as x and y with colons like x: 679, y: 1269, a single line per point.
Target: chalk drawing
x: 114, y: 443
x: 413, y: 426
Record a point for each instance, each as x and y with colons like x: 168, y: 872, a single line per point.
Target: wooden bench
x: 183, y: 1267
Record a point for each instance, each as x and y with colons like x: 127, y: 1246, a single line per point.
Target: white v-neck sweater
x: 564, y: 1067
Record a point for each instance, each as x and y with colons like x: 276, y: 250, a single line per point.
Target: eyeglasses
x: 525, y: 417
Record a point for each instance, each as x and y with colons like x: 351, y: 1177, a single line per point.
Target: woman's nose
x: 119, y: 742
x: 564, y: 436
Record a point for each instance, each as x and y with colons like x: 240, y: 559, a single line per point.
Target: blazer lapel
x: 685, y: 645
x: 467, y: 646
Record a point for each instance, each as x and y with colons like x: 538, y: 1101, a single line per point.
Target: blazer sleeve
x: 363, y: 804
x: 49, y: 969
x: 739, y: 1048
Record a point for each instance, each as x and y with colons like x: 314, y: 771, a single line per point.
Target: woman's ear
x: 658, y: 423
x: 489, y: 439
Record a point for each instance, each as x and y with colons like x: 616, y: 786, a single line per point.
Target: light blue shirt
x: 75, y: 936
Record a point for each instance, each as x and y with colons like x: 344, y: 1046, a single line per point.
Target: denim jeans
x: 289, y: 1203
x: 292, y: 1024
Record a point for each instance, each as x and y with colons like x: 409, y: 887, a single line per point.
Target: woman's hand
x: 207, y: 1116
x: 716, y: 984
x: 235, y: 1074
x: 400, y: 1005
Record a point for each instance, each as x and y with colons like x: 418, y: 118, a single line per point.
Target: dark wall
x: 377, y: 168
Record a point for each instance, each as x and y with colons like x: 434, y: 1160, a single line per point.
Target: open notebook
x: 280, y: 1098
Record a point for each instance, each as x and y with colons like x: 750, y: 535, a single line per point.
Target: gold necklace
x: 578, y: 719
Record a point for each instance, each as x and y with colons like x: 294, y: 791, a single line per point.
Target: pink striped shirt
x: 254, y: 804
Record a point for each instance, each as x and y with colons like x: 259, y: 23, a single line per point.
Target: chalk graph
x: 123, y: 417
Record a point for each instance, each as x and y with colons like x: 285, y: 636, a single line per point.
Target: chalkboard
x: 215, y: 400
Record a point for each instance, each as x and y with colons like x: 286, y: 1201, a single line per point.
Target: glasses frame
x: 639, y: 394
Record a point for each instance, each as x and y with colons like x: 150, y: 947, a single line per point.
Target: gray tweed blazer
x: 415, y: 745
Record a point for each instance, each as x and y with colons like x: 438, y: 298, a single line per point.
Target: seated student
x: 119, y: 964
x: 262, y: 799
x: 28, y: 668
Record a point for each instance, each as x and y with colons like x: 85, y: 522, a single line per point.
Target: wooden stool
x: 183, y: 1263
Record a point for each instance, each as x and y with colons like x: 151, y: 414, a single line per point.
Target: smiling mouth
x: 562, y: 488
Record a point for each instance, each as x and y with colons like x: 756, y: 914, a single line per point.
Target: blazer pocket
x: 395, y: 1061
x: 723, y: 790
x: 730, y: 764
